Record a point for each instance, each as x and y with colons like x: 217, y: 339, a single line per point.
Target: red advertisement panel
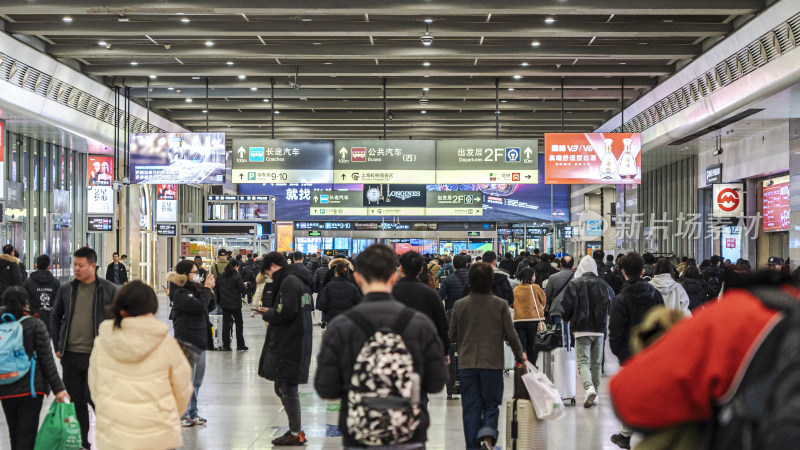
x: 592, y: 158
x: 776, y: 207
x: 2, y: 140
x: 101, y: 170
x: 165, y: 192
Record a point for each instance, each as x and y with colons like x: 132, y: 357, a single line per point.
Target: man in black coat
x: 116, y: 272
x: 451, y: 287
x: 508, y: 264
x: 343, y: 339
x: 286, y: 356
x: 413, y: 293
x: 42, y: 287
x: 10, y: 272
x: 501, y: 286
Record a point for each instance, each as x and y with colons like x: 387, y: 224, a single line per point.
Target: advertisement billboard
x: 2, y: 161
x: 99, y: 192
x: 180, y: 158
x: 776, y: 206
x: 593, y: 158
x: 166, y: 203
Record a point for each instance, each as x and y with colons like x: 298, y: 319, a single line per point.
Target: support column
x: 794, y: 174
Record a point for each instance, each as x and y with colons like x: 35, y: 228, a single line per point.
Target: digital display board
x: 99, y: 192
x: 396, y: 200
x: 282, y: 161
x: 179, y: 158
x: 166, y: 203
x: 487, y: 161
x: 713, y: 174
x: 100, y: 224
x: 776, y: 206
x: 166, y: 229
x: 593, y: 158
x: 2, y: 158
x: 378, y: 161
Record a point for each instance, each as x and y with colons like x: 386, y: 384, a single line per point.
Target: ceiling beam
x: 376, y: 104
x: 352, y: 116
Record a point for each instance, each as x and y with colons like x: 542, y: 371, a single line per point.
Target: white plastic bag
x: 546, y: 400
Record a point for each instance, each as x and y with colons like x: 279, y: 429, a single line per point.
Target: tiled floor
x: 244, y: 413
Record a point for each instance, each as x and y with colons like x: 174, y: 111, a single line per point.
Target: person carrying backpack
x: 10, y: 272
x: 42, y: 288
x: 713, y: 275
x: 380, y: 332
x: 25, y: 347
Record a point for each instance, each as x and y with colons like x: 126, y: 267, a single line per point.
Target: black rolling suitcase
x: 453, y: 387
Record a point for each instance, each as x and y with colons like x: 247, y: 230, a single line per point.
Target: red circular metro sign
x: 728, y: 199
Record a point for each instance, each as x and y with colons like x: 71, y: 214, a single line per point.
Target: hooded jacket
x: 10, y: 272
x: 627, y: 310
x: 35, y: 338
x: 696, y: 290
x: 42, y: 287
x: 337, y: 297
x: 286, y: 355
x: 189, y: 311
x: 586, y: 299
x: 450, y: 289
x: 140, y: 383
x: 675, y: 297
x: 61, y: 315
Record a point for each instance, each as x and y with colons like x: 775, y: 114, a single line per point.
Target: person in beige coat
x: 529, y: 302
x: 139, y: 377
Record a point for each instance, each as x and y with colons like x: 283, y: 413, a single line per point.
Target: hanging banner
x: 166, y: 203
x: 593, y: 158
x: 99, y: 193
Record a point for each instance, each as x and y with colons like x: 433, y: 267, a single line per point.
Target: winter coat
x: 319, y: 277
x: 543, y: 270
x: 479, y: 325
x: 649, y: 270
x: 554, y: 291
x: 433, y: 269
x: 627, y: 310
x: 413, y: 293
x: 342, y: 342
x: 337, y: 297
x: 42, y: 288
x: 230, y: 288
x: 696, y: 290
x: 286, y: 355
x: 61, y: 315
x: 123, y: 274
x: 450, y: 289
x: 586, y: 302
x: 218, y: 268
x: 675, y: 297
x: 189, y: 311
x: 614, y: 280
x: 141, y: 383
x: 35, y: 338
x: 501, y: 287
x: 508, y: 265
x: 10, y: 272
x: 529, y: 303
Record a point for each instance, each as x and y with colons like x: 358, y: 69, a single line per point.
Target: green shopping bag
x: 60, y: 429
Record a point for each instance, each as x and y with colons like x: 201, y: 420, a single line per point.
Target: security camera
x: 126, y: 181
x: 426, y: 39
x: 718, y: 151
x: 116, y: 185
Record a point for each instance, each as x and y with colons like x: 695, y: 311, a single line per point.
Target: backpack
x: 383, y: 401
x: 14, y: 361
x: 764, y: 410
x: 713, y: 284
x: 446, y: 271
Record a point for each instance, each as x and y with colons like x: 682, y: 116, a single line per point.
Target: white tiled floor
x: 244, y: 413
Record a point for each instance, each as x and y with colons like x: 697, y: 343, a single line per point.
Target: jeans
x: 290, y: 399
x: 198, y: 372
x: 22, y: 417
x: 527, y: 337
x: 589, y: 353
x: 75, y: 367
x: 230, y: 317
x: 481, y: 396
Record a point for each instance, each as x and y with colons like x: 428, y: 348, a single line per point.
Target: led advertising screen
x: 99, y: 192
x: 593, y: 158
x: 180, y: 158
x: 166, y: 203
x: 776, y: 206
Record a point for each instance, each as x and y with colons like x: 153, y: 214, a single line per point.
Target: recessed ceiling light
x: 623, y: 63
x: 242, y: 77
x: 497, y: 112
x: 549, y: 20
x: 426, y: 64
x: 425, y: 89
x: 230, y: 63
x: 67, y: 19
x: 153, y: 77
x: 428, y: 20
x: 510, y: 89
x: 277, y: 112
x: 317, y: 43
x: 328, y: 63
x: 188, y: 100
x: 423, y: 112
x: 170, y: 88
x: 524, y: 64
x: 306, y: 20
x: 102, y: 43
x: 535, y: 44
x: 185, y: 20
x: 266, y: 100
x: 517, y: 77
x: 209, y: 44
x: 134, y: 63
x: 205, y: 111
x: 253, y: 89
x: 503, y: 101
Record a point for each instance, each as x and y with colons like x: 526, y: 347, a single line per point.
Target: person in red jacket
x: 687, y: 380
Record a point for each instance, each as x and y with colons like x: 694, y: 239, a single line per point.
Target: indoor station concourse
x: 157, y: 132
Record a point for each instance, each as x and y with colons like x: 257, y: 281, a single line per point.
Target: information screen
x: 776, y: 207
x: 166, y: 229
x: 100, y: 224
x: 99, y: 192
x: 179, y: 158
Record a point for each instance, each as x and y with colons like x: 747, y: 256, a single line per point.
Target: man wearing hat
x: 775, y: 263
x: 222, y: 261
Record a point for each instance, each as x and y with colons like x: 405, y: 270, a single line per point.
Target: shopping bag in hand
x: 546, y: 400
x: 60, y: 429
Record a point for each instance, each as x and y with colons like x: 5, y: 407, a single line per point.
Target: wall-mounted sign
x: 315, y: 233
x: 593, y: 228
x: 487, y: 161
x: 166, y: 203
x: 282, y: 161
x: 99, y: 193
x: 376, y: 161
x: 100, y: 224
x: 593, y: 158
x: 776, y: 206
x: 568, y: 232
x: 166, y: 229
x: 728, y: 200
x: 473, y: 233
x: 713, y: 174
x: 180, y: 158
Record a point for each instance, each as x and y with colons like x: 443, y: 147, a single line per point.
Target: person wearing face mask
x: 191, y: 301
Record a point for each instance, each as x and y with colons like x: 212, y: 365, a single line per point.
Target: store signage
x: 464, y: 226
x: 100, y: 224
x: 314, y: 233
x: 487, y: 161
x: 713, y: 174
x: 180, y: 158
x: 256, y: 160
x: 537, y: 231
x: 776, y: 206
x: 166, y: 203
x: 166, y: 229
x: 728, y: 200
x: 378, y: 161
x: 99, y: 192
x: 593, y: 228
x: 593, y: 158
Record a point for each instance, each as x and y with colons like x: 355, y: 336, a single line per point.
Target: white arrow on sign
x: 343, y: 152
x: 241, y: 152
x: 528, y: 152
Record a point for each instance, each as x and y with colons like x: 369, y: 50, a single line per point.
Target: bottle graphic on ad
x: 608, y: 165
x: 627, y: 163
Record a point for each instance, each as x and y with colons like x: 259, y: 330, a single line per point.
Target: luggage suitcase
x: 523, y: 429
x: 216, y: 330
x: 453, y: 387
x: 564, y: 368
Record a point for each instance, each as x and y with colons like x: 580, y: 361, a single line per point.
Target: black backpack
x: 713, y: 283
x: 764, y: 411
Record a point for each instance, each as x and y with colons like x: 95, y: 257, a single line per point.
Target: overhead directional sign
x: 396, y: 200
x: 454, y: 203
x: 507, y: 161
x: 258, y: 160
x: 378, y: 161
x: 337, y: 203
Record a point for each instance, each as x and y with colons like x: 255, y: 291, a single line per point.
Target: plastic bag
x: 60, y: 429
x: 546, y: 400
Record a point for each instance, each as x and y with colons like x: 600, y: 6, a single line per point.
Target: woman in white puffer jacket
x: 675, y: 297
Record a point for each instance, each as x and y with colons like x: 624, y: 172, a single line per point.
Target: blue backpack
x: 14, y: 362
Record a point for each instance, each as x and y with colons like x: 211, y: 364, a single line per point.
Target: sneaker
x: 199, y: 420
x: 242, y: 349
x: 486, y: 446
x: 290, y: 440
x: 621, y: 441
x: 591, y: 394
x: 187, y: 422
